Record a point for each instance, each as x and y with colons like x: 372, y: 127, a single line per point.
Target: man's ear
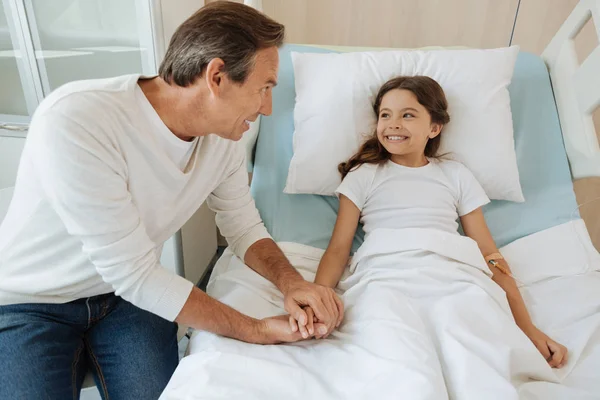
x: 435, y: 130
x: 214, y: 75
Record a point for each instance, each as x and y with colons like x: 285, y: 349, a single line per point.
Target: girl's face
x: 404, y: 126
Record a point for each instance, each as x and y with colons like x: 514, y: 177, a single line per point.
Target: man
x: 111, y: 169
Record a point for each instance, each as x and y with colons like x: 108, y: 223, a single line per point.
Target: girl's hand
x: 308, y: 330
x: 554, y: 352
x: 276, y: 330
x: 323, y: 302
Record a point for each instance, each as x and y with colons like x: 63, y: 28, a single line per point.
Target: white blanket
x: 423, y: 321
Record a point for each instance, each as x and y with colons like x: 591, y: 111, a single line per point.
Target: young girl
x: 396, y: 182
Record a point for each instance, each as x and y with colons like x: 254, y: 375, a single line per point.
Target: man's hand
x: 310, y: 326
x: 274, y: 330
x: 323, y: 301
x: 268, y: 260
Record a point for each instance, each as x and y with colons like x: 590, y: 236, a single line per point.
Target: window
x: 45, y: 44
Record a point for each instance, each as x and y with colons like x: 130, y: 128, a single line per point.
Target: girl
x: 395, y: 181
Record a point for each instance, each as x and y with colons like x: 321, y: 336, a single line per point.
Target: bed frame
x: 576, y: 90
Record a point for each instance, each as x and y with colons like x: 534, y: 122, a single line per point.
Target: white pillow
x: 333, y: 113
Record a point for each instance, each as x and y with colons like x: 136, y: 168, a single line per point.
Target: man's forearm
x: 202, y: 312
x: 265, y: 257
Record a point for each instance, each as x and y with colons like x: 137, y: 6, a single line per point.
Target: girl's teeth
x: 396, y: 137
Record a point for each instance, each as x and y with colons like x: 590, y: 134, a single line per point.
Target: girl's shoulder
x: 361, y: 176
x: 362, y: 170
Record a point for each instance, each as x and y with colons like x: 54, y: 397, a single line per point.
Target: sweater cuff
x: 173, y: 298
x: 254, y: 235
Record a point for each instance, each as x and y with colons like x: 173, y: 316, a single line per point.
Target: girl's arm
x: 476, y: 228
x: 335, y: 259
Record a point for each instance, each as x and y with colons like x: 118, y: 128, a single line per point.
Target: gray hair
x: 230, y: 31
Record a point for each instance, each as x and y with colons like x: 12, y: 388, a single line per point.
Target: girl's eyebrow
x: 404, y: 109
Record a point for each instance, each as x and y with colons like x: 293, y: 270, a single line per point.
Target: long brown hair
x: 429, y: 94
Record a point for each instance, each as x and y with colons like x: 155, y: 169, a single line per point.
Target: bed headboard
x: 577, y: 89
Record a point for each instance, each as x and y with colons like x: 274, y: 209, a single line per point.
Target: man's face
x: 235, y: 105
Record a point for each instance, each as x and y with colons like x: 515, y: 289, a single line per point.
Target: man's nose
x: 266, y: 107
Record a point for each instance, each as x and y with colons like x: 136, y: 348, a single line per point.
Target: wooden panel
x: 538, y: 21
x: 174, y: 13
x: 588, y: 193
x: 395, y: 23
x: 586, y: 40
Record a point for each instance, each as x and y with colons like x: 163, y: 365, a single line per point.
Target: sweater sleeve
x: 236, y: 213
x: 85, y: 180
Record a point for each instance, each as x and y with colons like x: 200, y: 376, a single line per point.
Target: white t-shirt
x: 179, y: 151
x: 102, y: 184
x: 396, y: 197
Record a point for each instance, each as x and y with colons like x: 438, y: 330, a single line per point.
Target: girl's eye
x: 384, y: 115
x: 408, y: 115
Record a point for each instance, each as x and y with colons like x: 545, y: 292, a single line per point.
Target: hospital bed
x: 544, y: 239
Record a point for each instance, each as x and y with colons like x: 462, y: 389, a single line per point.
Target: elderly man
x: 111, y: 169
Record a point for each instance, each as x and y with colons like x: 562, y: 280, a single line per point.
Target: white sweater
x: 101, y: 186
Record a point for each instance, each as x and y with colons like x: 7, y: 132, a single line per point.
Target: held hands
x: 312, y: 328
x: 274, y: 330
x: 555, y: 353
x: 315, y: 310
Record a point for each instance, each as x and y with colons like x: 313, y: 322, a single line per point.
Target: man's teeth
x: 396, y: 137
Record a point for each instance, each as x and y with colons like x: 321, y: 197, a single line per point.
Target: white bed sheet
x: 566, y: 306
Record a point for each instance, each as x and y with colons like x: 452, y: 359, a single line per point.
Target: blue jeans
x: 46, y: 349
